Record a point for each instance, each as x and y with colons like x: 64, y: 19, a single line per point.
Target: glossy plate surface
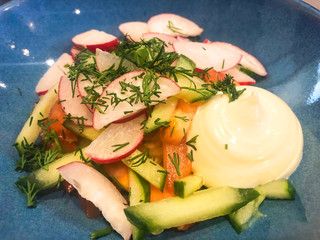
x: 284, y: 35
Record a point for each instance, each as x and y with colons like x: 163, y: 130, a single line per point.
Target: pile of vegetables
x: 113, y: 124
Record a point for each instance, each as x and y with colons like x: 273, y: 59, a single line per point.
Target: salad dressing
x: 251, y: 141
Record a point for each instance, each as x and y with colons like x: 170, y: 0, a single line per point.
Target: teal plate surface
x: 284, y: 35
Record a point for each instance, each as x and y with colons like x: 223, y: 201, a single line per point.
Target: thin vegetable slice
x: 94, y: 39
x: 134, y: 30
x: 71, y: 103
x: 173, y: 25
x: 89, y: 182
x: 53, y: 74
x: 208, y: 55
x: 117, y: 141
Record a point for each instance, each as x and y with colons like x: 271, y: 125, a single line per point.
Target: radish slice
x: 74, y: 52
x: 173, y: 25
x: 183, y: 39
x: 247, y: 60
x: 169, y: 40
x: 240, y: 77
x: 72, y: 104
x: 83, y: 83
x: 107, y: 147
x: 94, y: 39
x: 53, y: 74
x: 112, y: 113
x: 134, y: 30
x: 208, y: 55
x: 95, y: 187
x: 106, y: 60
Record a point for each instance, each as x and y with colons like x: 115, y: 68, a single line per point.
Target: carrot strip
x: 119, y: 172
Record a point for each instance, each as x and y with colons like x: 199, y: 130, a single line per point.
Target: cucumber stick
x: 47, y: 178
x: 191, y: 89
x: 148, y: 169
x: 87, y: 132
x: 247, y: 215
x: 31, y: 129
x: 278, y: 189
x: 161, y: 114
x: 185, y: 186
x: 199, y: 206
x: 139, y: 193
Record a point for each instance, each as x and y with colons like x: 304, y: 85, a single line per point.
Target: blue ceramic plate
x: 284, y: 35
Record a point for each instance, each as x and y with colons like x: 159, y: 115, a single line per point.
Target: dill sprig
x: 175, y: 159
x: 140, y: 158
x: 119, y: 146
x: 30, y: 192
x: 191, y: 143
x: 174, y: 28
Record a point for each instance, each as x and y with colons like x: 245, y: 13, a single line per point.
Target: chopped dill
x: 175, y: 161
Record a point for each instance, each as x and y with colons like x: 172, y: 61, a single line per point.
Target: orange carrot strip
x: 119, y: 171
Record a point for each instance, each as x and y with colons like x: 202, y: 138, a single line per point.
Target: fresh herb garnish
x: 191, y: 143
x: 30, y: 192
x: 119, y: 146
x: 140, y: 158
x: 101, y: 233
x: 183, y: 118
x: 190, y: 155
x: 173, y: 28
x: 175, y: 161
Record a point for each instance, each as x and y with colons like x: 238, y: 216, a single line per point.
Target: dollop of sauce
x: 250, y: 141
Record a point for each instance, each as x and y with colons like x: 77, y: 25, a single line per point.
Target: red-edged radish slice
x: 83, y: 83
x: 117, y: 141
x: 72, y: 104
x: 74, y: 52
x: 173, y: 25
x: 247, y: 60
x: 183, y: 39
x: 53, y: 74
x: 169, y: 40
x: 94, y: 39
x: 240, y: 77
x: 167, y: 88
x: 208, y: 55
x: 95, y: 187
x: 134, y: 30
x: 106, y: 60
x: 207, y: 41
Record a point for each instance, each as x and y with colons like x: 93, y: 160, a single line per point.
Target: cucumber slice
x: 161, y: 114
x: 186, y: 186
x: 185, y: 63
x: 147, y: 169
x: 200, y: 206
x: 139, y: 193
x: 87, y: 132
x: 278, y: 189
x: 31, y: 129
x: 49, y: 177
x: 191, y: 89
x: 247, y: 215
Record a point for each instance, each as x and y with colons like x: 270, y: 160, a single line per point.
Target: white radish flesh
x: 173, y: 25
x: 53, y: 74
x: 169, y: 40
x: 112, y: 113
x: 94, y: 39
x: 106, y: 60
x: 71, y: 103
x: 134, y: 30
x: 104, y: 149
x: 208, y: 55
x: 95, y: 187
